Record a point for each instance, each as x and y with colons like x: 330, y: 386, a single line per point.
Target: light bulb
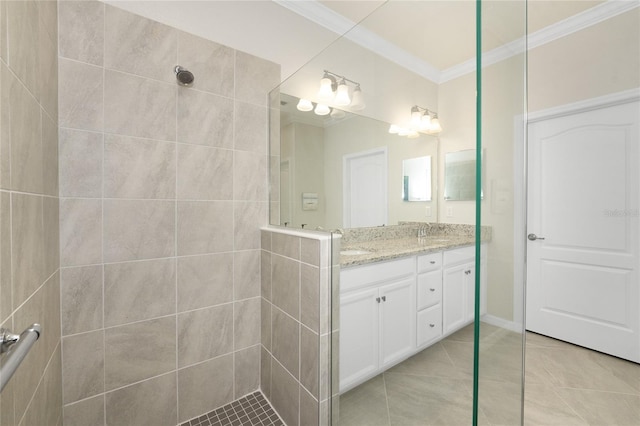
x: 416, y: 115
x: 325, y: 94
x: 342, y: 95
x: 322, y: 109
x: 304, y: 105
x: 425, y: 122
x: 435, y: 126
x: 337, y: 113
x: 394, y: 129
x: 357, y: 99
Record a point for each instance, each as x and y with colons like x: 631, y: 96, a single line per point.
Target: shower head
x: 184, y: 77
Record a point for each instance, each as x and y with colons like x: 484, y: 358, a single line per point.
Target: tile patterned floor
x: 251, y: 410
x: 565, y: 385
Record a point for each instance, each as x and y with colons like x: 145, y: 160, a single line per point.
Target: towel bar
x: 14, y: 349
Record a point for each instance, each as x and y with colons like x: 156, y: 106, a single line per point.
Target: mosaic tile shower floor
x: 251, y: 410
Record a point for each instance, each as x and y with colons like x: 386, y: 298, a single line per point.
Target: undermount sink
x: 353, y: 252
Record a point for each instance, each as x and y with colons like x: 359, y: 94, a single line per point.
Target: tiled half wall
x: 163, y: 190
x: 296, y: 324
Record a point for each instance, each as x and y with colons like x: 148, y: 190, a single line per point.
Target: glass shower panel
x: 501, y: 129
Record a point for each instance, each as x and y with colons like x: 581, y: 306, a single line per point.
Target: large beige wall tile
x: 139, y: 351
x: 82, y: 37
x: 255, y: 77
x: 139, y: 168
x: 205, y: 119
x: 265, y: 324
x: 286, y: 245
x: 265, y: 372
x: 81, y: 88
x: 310, y: 296
x: 80, y: 232
x: 285, y: 343
x: 204, y: 227
x: 138, y: 229
x: 88, y: 412
x: 250, y: 176
x: 48, y: 72
x: 247, y: 274
x: 205, y: 334
x: 51, y: 237
x: 309, y: 412
x: 46, y: 406
x: 249, y: 216
x: 151, y: 402
x: 204, y: 173
x: 5, y: 257
x: 50, y: 172
x: 131, y: 291
x: 285, y: 394
x: 247, y: 371
x: 205, y: 386
x: 138, y: 45
x: 136, y: 106
x: 26, y: 144
x: 80, y: 161
x: 6, y: 80
x: 81, y: 299
x: 27, y: 251
x: 83, y: 364
x: 309, y: 360
x: 250, y: 128
x: 265, y: 274
x: 205, y: 280
x: 211, y: 63
x: 23, y: 34
x: 285, y: 291
x: 246, y: 323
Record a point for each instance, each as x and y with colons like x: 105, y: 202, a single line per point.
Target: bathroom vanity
x: 399, y: 296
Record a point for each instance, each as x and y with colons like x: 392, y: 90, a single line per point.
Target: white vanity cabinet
x: 458, y: 287
x: 377, y: 318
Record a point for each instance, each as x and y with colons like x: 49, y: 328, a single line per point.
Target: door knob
x: 533, y: 237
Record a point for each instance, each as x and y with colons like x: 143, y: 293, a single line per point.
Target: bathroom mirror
x: 460, y: 175
x: 416, y: 179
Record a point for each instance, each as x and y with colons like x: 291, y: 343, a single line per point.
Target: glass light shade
x: 413, y: 134
x: 416, y: 116
x: 322, y: 109
x: 304, y: 105
x: 435, y: 126
x: 425, y: 122
x: 342, y: 95
x: 403, y: 132
x: 394, y: 129
x: 325, y: 94
x: 357, y: 100
x: 337, y: 113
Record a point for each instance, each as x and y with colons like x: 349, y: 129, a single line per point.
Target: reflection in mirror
x: 460, y: 175
x: 416, y: 179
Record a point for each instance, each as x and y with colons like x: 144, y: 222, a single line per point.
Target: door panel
x: 582, y: 274
x: 365, y: 189
x: 397, y: 320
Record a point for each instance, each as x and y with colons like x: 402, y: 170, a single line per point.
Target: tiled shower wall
x: 163, y: 190
x: 29, y: 256
x: 296, y: 324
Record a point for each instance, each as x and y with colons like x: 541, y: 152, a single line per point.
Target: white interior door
x: 582, y: 269
x: 365, y: 188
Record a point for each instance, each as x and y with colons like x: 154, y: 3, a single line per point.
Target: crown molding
x: 333, y: 21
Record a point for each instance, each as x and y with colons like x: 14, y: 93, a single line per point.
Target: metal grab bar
x: 16, y: 350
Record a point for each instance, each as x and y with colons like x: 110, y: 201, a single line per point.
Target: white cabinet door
x: 454, y: 301
x: 359, y: 334
x: 397, y: 320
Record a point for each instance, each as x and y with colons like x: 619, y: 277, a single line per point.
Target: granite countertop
x: 380, y: 250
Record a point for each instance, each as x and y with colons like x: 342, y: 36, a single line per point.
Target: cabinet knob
x: 378, y: 299
x: 432, y: 325
x: 433, y: 262
x: 384, y: 298
x: 432, y: 289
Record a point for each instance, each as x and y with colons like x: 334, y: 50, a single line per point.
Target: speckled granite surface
x: 391, y: 242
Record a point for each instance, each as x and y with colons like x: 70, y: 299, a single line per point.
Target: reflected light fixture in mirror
x: 304, y: 105
x: 322, y: 109
x: 335, y: 90
x: 422, y: 120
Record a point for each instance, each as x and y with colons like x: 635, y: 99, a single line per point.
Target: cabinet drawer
x: 429, y: 289
x: 362, y: 276
x: 459, y: 255
x: 429, y: 325
x: 429, y: 262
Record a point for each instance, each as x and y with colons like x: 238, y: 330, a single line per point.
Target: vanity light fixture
x: 422, y: 120
x: 322, y: 109
x: 304, y: 105
x: 335, y: 90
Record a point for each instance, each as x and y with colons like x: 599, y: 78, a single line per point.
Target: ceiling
x: 439, y: 33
